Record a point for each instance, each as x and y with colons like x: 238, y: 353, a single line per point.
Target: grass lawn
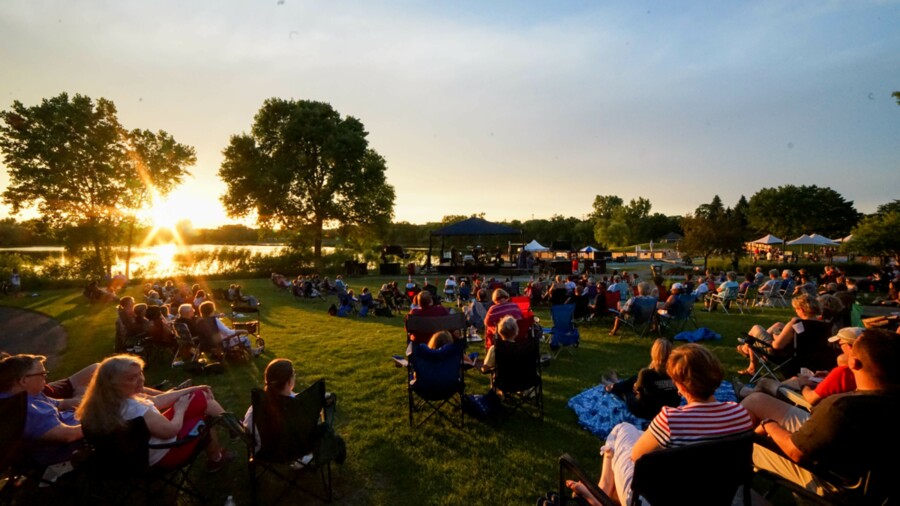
x: 389, y: 463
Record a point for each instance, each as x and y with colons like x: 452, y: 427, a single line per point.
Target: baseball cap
x: 677, y: 286
x: 847, y: 335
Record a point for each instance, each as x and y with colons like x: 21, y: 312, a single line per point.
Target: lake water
x: 166, y: 259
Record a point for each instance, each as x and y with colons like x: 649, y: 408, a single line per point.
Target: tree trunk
x: 705, y: 262
x: 317, y: 246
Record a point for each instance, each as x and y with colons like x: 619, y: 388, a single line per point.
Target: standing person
x: 697, y: 374
x: 15, y: 282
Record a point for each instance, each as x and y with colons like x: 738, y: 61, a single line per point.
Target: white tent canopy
x: 767, y: 239
x: 535, y: 246
x: 845, y: 239
x: 823, y: 241
x: 804, y: 240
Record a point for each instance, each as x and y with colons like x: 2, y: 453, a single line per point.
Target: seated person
x: 837, y: 381
x: 646, y: 393
x: 772, y: 286
x: 116, y: 395
x: 48, y: 419
x: 187, y: 316
x: 214, y: 335
x: 673, y: 303
x: 153, y: 298
x: 199, y: 298
x: 127, y: 325
x: 161, y: 331
x: 476, y: 312
x: 501, y: 307
x: 465, y: 292
x: 366, y: 301
x: 659, y: 288
x: 730, y: 284
x: 280, y: 281
x: 643, y: 299
x: 843, y: 429
x: 281, y: 379
x: 426, y: 307
x: 450, y: 288
x: 702, y: 289
x: 697, y: 374
x: 780, y: 336
x: 508, y: 329
x: 746, y: 284
x: 582, y: 304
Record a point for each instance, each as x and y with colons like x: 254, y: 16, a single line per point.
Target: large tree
x: 302, y: 167
x: 72, y: 160
x: 713, y: 230
x: 877, y: 235
x: 616, y: 224
x: 788, y: 211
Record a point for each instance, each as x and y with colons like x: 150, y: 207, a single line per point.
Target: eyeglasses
x: 45, y: 373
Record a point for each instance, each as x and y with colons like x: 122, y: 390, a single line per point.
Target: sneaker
x: 214, y: 466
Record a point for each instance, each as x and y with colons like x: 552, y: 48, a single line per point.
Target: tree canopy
x: 72, y: 160
x: 789, y: 211
x: 877, y: 235
x: 714, y: 229
x: 302, y: 167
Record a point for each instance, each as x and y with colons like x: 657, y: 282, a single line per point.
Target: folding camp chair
x: 289, y: 428
x: 748, y: 300
x: 725, y: 299
x: 188, y: 345
x: 640, y: 317
x: 810, y: 349
x: 564, y: 333
x: 517, y: 375
x: 875, y: 486
x: 435, y: 379
x: 677, y: 316
x: 12, y: 424
x: 524, y: 303
x: 419, y: 329
x: 704, y: 473
x: 781, y: 295
x: 121, y: 459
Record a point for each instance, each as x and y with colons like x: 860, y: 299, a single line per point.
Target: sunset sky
x: 514, y: 109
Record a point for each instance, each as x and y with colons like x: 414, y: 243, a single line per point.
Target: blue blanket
x: 599, y: 411
x: 700, y: 334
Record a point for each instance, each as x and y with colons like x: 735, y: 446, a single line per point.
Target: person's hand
x: 182, y: 403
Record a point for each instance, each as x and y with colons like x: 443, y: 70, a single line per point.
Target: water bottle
x: 229, y: 501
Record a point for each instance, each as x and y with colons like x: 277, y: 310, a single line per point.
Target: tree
x: 303, y: 167
x: 896, y: 95
x: 788, y: 211
x: 713, y: 230
x: 74, y: 162
x: 892, y: 206
x: 616, y: 224
x: 877, y: 235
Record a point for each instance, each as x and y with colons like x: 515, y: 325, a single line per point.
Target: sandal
x: 748, y: 372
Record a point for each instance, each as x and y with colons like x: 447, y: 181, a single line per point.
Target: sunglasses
x: 44, y: 374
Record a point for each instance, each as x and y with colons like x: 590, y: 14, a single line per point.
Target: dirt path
x: 26, y: 331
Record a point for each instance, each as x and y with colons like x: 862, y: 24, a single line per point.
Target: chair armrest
x: 752, y: 341
x: 568, y: 464
x: 841, y: 483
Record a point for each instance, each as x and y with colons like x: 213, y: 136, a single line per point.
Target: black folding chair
x: 704, y: 473
x: 517, y: 375
x: 810, y: 349
x: 289, y: 428
x: 12, y: 424
x: 118, y: 466
x: 419, y: 329
x: 873, y: 487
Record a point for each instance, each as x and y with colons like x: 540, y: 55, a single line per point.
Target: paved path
x: 26, y: 331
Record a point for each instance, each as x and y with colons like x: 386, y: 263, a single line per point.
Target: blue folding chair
x: 563, y: 334
x: 436, y: 380
x: 640, y: 317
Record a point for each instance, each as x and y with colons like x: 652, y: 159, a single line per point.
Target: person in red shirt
x: 501, y: 307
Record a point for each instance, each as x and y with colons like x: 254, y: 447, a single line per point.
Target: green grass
x: 389, y: 463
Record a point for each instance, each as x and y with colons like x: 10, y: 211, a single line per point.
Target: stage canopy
x: 476, y: 226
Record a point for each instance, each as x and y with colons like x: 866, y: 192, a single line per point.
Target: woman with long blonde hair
x: 116, y: 396
x: 646, y: 393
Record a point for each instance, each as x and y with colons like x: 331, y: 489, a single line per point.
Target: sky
x: 515, y: 109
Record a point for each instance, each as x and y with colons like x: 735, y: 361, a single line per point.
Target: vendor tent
x: 767, y: 239
x: 535, y: 246
x: 803, y: 240
x: 588, y: 249
x: 823, y: 241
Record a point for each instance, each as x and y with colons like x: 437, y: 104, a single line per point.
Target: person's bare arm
x: 781, y: 438
x: 163, y: 428
x: 786, y: 336
x: 63, y: 434
x: 644, y: 445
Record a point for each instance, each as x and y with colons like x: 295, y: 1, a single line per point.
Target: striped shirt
x: 700, y: 422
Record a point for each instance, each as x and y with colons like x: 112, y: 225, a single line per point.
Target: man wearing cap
x: 842, y: 429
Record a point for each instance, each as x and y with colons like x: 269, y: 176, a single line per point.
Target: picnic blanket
x: 599, y: 411
x: 701, y: 334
